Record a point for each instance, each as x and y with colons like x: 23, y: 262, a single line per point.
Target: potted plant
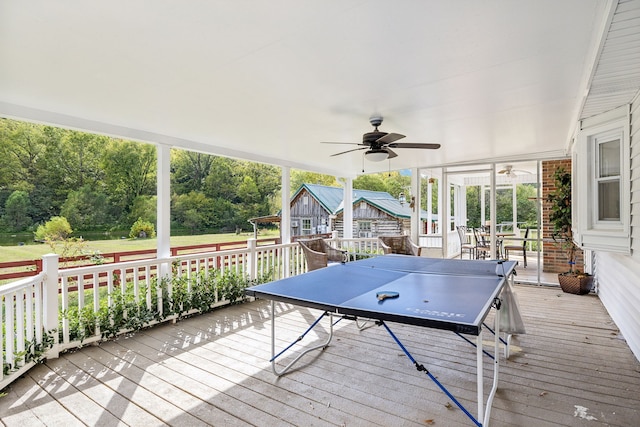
x: 573, y: 281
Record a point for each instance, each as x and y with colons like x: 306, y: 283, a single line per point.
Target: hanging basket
x: 575, y: 284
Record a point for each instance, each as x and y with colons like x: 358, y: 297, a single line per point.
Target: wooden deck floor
x: 571, y: 368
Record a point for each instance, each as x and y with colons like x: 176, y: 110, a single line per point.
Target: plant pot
x: 575, y: 284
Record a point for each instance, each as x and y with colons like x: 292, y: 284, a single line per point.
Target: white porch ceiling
x: 267, y: 81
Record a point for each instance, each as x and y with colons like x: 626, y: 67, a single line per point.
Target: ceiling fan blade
x: 503, y: 171
x: 392, y: 153
x: 413, y: 145
x: 348, y: 151
x: 341, y: 143
x: 389, y: 138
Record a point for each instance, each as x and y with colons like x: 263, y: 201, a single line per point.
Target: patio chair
x: 319, y: 253
x: 465, y: 243
x: 481, y: 247
x: 399, y: 245
x: 518, y: 248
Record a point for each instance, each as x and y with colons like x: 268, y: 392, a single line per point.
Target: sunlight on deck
x: 571, y: 367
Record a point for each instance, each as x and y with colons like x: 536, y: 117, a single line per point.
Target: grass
x: 31, y: 252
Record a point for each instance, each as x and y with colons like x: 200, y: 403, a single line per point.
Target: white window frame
x: 597, y: 140
x: 305, y: 231
x: 365, y: 228
x: 589, y: 232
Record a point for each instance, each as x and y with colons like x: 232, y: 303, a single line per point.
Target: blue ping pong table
x: 455, y: 295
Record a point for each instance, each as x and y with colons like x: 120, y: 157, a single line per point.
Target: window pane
x: 609, y: 201
x: 609, y: 158
x: 306, y: 227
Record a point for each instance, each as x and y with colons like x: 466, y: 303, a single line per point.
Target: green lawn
x: 30, y: 252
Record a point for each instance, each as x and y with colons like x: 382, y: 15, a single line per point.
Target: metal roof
x: 331, y: 199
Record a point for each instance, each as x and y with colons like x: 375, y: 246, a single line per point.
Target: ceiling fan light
x: 374, y: 155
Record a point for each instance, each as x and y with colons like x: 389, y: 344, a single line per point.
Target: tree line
x: 100, y: 183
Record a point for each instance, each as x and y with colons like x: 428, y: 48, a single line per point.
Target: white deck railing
x: 60, y: 309
x: 25, y: 318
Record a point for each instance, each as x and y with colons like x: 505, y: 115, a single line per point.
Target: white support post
x: 483, y: 200
x: 163, y: 245
x: 415, y: 201
x: 252, y: 258
x: 50, y: 301
x: 285, y: 202
x: 285, y: 219
x: 514, y: 207
x: 429, y: 205
x: 444, y: 207
x: 492, y: 214
x: 348, y: 209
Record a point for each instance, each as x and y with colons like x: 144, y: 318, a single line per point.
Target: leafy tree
x: 193, y: 211
x: 373, y: 182
x: 473, y: 206
x: 396, y: 183
x: 23, y: 144
x: 86, y: 208
x: 525, y: 200
x: 44, y: 203
x: 248, y: 189
x: 144, y: 207
x: 504, y: 205
x: 526, y: 195
x: 268, y: 181
x: 223, y: 180
x: 189, y: 170
x: 73, y: 159
x: 225, y: 214
x: 8, y: 145
x: 250, y: 202
x: 299, y: 177
x: 424, y: 187
x: 130, y: 171
x: 16, y: 214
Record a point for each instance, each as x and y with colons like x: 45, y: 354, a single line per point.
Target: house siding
x: 618, y: 275
x: 312, y: 210
x: 315, y: 209
x: 381, y: 222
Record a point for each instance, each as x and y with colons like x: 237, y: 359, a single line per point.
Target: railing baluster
x: 65, y: 307
x: 38, y: 315
x: 10, y: 328
x: 20, y: 336
x: 95, y: 286
x: 24, y: 308
x: 28, y: 305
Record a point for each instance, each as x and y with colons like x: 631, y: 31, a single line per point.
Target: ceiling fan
x: 379, y: 144
x: 510, y: 172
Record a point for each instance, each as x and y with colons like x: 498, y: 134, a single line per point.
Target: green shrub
x: 179, y: 295
x: 57, y: 228
x: 142, y: 229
